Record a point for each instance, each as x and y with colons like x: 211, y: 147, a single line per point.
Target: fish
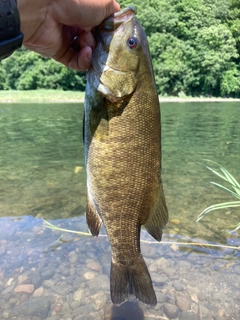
x: 122, y: 150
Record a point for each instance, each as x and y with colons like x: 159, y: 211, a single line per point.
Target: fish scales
x: 123, y: 152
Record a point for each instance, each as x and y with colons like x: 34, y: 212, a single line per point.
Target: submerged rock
x: 237, y: 269
x: 24, y: 288
x: 183, y: 302
x: 2, y: 250
x: 89, y: 275
x: 99, y: 300
x: 81, y: 293
x: 47, y: 273
x: 188, y: 316
x: 37, y: 307
x: 39, y: 292
x: 170, y: 310
x: 73, y: 257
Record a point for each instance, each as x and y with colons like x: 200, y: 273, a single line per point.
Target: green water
x: 42, y: 176
x: 41, y: 146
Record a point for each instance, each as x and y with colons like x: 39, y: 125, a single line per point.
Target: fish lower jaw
x: 103, y: 89
x: 108, y: 95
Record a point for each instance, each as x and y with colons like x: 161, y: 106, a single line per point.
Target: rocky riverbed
x: 44, y: 277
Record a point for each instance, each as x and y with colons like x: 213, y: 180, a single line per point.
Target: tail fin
x: 131, y: 280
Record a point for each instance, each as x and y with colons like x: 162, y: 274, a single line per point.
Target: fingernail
x: 89, y: 56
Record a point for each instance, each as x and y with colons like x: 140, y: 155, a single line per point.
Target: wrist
x: 32, y: 14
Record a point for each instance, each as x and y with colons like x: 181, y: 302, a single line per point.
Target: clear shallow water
x: 42, y: 176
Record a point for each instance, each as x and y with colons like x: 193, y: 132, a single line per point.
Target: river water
x: 51, y: 274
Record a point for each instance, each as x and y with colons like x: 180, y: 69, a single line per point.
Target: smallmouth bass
x: 122, y: 146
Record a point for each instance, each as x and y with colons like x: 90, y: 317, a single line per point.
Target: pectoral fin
x: 158, y: 218
x: 93, y: 219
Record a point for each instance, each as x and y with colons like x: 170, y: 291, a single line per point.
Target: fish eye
x: 132, y: 42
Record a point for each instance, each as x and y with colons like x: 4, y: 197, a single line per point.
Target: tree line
x: 194, y: 45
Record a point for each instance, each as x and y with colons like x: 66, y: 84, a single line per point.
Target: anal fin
x: 158, y: 217
x: 93, y: 219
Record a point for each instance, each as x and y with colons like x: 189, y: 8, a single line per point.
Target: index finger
x: 84, y: 13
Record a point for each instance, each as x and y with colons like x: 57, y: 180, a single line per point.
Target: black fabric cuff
x: 10, y: 36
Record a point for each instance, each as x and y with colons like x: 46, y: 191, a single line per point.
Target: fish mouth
x: 104, y: 34
x: 114, y: 21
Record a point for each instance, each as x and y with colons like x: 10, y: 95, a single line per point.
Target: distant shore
x: 40, y: 96
x: 58, y: 96
x: 196, y: 99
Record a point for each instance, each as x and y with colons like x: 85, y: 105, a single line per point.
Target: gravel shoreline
x: 42, y: 278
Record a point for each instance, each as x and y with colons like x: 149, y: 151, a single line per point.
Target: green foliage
x: 217, y: 49
x: 230, y: 82
x: 233, y: 188
x: 194, y: 44
x: 193, y: 48
x: 26, y: 70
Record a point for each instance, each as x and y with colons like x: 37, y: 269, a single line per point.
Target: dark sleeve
x: 10, y: 35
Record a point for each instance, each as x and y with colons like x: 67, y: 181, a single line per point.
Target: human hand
x: 50, y: 26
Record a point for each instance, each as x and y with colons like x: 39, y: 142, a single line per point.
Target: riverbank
x: 40, y: 96
x: 59, y: 96
x: 196, y: 99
